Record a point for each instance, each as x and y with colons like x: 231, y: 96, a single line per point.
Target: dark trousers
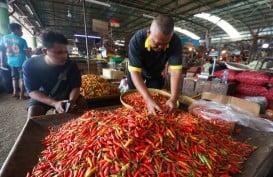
x: 150, y: 82
x: 5, y: 79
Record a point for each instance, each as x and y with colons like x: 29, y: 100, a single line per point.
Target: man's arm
x: 176, y: 76
x: 137, y: 79
x: 74, y: 94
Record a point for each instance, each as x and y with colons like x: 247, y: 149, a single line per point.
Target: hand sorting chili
x: 137, y: 102
x: 131, y: 143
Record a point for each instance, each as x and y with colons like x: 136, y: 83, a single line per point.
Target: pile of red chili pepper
x: 94, y: 86
x: 125, y: 142
x: 135, y: 100
x: 203, y: 111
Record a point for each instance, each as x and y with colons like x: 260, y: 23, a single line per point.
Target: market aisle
x: 13, y: 116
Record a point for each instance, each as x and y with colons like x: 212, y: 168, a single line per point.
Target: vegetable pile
x: 125, y: 142
x: 136, y: 101
x: 212, y: 115
x: 94, y: 86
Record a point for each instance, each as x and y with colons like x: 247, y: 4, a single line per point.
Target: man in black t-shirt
x: 42, y: 73
x: 149, y: 52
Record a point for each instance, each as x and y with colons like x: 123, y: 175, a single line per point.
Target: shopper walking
x: 149, y: 51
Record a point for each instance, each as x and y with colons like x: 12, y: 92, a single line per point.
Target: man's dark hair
x: 14, y: 27
x: 165, y: 23
x: 50, y: 37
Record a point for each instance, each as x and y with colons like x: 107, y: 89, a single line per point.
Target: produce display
x: 94, y: 86
x: 125, y: 142
x: 251, y: 83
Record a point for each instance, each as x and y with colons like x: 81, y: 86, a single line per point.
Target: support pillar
x: 34, y: 42
x: 4, y: 20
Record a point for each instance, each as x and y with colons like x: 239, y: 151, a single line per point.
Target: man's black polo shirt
x: 143, y: 59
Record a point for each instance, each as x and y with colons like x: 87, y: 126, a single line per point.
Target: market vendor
x: 149, y: 51
x: 51, y: 79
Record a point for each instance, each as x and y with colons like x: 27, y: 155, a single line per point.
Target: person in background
x: 5, y: 74
x: 51, y: 79
x: 149, y: 51
x: 16, y: 52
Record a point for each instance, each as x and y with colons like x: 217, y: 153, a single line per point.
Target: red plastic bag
x: 251, y: 90
x: 271, y: 81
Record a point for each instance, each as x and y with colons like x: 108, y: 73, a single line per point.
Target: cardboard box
x: 248, y: 106
x: 109, y: 73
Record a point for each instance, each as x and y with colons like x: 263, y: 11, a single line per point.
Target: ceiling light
x: 229, y: 29
x: 69, y: 15
x: 119, y: 44
x: 29, y: 9
x: 148, y: 16
x: 10, y: 1
x: 99, y: 3
x: 265, y: 45
x: 80, y: 35
x: 187, y: 33
x: 37, y: 23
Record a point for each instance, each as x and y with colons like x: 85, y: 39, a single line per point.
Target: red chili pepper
x: 157, y: 145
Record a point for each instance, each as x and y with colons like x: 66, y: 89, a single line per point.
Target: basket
x: 162, y: 92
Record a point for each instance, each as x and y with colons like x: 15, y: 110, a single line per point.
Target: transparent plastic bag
x: 260, y: 100
x: 213, y: 110
x: 123, y: 86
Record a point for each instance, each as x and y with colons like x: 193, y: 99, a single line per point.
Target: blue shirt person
x: 16, y: 48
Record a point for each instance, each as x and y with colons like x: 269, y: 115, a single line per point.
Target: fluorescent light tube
x: 37, y: 23
x: 148, y: 16
x: 29, y: 9
x: 80, y: 35
x: 99, y: 3
x: 186, y: 32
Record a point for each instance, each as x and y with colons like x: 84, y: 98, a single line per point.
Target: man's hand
x: 171, y: 104
x: 152, y: 106
x: 59, y: 106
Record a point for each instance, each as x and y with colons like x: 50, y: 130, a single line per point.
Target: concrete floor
x: 13, y: 116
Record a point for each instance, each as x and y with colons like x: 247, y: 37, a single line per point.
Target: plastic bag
x: 230, y: 113
x: 260, y: 100
x: 123, y: 86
